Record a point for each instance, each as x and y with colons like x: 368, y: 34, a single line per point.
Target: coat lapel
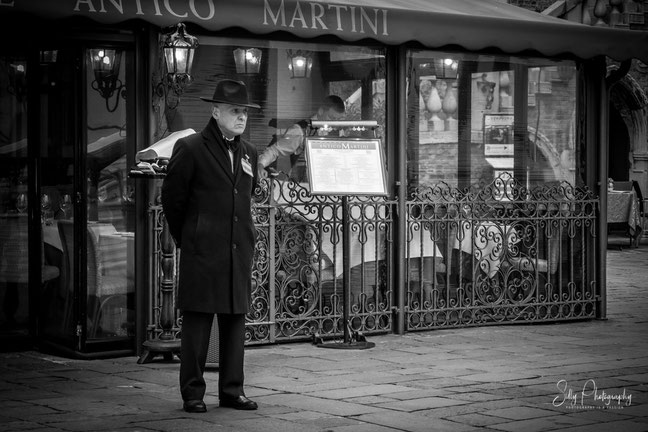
x: 215, y: 145
x: 243, y: 153
x: 237, y: 162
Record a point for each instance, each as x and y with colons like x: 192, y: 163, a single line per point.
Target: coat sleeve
x: 176, y: 188
x: 255, y: 161
x: 286, y: 145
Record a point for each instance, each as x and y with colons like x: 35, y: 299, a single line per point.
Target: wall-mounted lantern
x: 105, y: 65
x: 178, y: 49
x: 446, y: 68
x: 300, y: 63
x: 247, y: 60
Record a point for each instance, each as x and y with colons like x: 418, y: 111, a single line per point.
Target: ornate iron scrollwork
x: 298, y: 290
x: 508, y: 254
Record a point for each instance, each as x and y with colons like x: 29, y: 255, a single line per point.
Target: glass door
x: 109, y: 197
x: 15, y: 204
x: 86, y: 199
x: 55, y: 189
x: 66, y: 203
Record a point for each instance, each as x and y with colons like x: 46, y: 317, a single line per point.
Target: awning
x: 471, y: 24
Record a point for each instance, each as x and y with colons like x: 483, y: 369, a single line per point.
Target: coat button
x: 234, y: 246
x: 235, y: 191
x: 235, y: 218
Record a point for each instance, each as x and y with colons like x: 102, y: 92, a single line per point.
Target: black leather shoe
x: 239, y: 403
x: 195, y: 406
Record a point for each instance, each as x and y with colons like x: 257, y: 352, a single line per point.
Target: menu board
x: 345, y: 166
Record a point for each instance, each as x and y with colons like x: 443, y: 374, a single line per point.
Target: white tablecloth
x: 623, y: 207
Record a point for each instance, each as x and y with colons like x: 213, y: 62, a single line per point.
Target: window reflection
x: 306, y: 236
x: 520, y: 115
x: 355, y: 74
x: 110, y: 205
x: 14, y: 170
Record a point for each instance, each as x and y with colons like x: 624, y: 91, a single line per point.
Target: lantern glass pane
x: 105, y: 62
x: 190, y: 60
x: 169, y: 58
x: 253, y: 60
x: 179, y: 48
x: 239, y: 60
x: 181, y: 60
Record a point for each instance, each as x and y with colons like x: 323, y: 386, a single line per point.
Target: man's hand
x: 262, y: 171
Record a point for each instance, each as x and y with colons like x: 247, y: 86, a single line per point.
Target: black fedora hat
x: 231, y: 92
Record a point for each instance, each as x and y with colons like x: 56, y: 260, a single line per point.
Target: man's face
x: 230, y: 118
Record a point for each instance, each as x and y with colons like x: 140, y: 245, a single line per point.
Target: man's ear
x: 215, y: 112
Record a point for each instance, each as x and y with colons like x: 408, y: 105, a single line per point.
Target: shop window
x: 473, y: 118
x: 291, y: 83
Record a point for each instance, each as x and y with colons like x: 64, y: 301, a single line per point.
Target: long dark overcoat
x: 208, y: 210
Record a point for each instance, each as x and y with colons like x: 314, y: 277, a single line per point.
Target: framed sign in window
x: 345, y: 166
x: 498, y: 134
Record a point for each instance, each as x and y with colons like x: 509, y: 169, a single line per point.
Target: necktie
x: 231, y: 148
x: 231, y: 145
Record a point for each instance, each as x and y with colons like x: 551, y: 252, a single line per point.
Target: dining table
x: 623, y: 208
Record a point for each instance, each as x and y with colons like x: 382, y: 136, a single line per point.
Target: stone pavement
x: 577, y: 376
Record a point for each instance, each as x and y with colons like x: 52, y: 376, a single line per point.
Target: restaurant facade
x: 491, y: 124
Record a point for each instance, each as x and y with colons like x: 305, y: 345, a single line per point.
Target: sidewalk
x: 505, y: 378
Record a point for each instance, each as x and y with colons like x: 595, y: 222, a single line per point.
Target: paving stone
x: 428, y: 403
x: 475, y: 396
x: 520, y: 413
x: 370, y: 400
x: 422, y: 393
x: 414, y: 422
x: 475, y: 419
x: 363, y: 427
x: 540, y: 424
x: 624, y: 425
x: 316, y: 404
x: 302, y: 415
x: 361, y: 390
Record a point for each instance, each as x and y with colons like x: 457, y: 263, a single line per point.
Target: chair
x: 643, y: 211
x: 102, y: 288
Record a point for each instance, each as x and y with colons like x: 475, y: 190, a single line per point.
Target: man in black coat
x: 206, y: 198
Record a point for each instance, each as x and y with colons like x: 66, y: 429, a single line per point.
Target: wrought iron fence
x: 492, y: 254
x: 299, y: 264
x: 504, y: 254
